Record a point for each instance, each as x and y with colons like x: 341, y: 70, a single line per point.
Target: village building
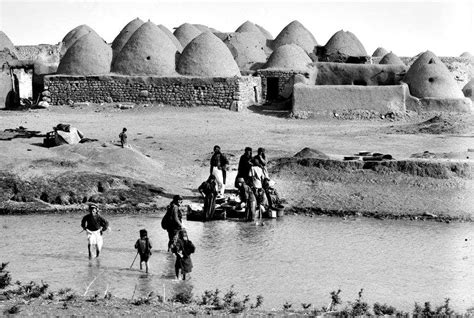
x: 185, y: 33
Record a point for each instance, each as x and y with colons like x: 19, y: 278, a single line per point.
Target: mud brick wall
x: 174, y: 91
x: 462, y: 68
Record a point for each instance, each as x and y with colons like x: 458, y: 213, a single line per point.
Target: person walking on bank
x: 219, y: 164
x: 208, y: 190
x: 143, y: 246
x: 183, y: 248
x: 123, y: 137
x: 172, y: 221
x: 245, y: 164
x: 94, y: 225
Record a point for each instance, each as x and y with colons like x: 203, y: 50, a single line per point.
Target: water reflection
x: 295, y: 259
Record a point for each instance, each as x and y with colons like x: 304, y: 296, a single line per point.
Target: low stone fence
x: 311, y: 100
x: 231, y: 93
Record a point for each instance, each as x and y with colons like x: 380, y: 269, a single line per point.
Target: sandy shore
x: 170, y: 150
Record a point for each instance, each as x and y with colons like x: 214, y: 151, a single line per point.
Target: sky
x: 445, y: 27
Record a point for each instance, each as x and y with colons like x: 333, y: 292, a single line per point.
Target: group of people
x: 252, y: 181
x: 179, y: 244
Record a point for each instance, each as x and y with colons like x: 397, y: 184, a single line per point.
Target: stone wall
x: 285, y: 80
x: 183, y: 91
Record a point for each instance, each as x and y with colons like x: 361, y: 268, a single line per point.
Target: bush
x: 183, y: 294
x: 384, y: 309
x: 5, y: 277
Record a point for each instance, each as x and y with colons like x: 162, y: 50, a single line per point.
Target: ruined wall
x: 310, y: 100
x: 285, y: 80
x: 175, y: 91
x: 462, y: 68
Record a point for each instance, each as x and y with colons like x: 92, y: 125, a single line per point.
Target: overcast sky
x: 407, y: 28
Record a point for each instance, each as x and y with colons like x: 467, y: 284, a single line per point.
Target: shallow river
x: 294, y: 259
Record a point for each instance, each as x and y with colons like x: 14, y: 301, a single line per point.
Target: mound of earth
x: 439, y: 124
x: 311, y: 153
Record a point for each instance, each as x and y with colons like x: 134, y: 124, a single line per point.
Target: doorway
x: 273, y: 91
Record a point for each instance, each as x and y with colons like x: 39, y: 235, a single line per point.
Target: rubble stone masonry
x: 231, y: 93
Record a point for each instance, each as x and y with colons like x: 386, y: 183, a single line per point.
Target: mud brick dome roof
x: 149, y: 51
x: 247, y: 49
x: 72, y: 36
x: 345, y: 42
x: 467, y: 54
x: 89, y: 55
x: 289, y: 56
x: 391, y: 58
x: 429, y: 77
x: 295, y: 33
x: 248, y: 26
x: 178, y: 45
x: 267, y: 34
x: 124, y: 35
x: 207, y: 56
x: 379, y: 52
x: 185, y: 33
x: 6, y: 43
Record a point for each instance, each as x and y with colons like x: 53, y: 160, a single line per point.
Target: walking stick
x: 134, y: 260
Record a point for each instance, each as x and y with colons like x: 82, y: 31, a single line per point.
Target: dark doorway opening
x: 272, y: 88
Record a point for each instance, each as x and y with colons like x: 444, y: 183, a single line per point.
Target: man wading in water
x: 94, y: 225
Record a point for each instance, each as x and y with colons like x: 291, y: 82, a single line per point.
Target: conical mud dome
x: 165, y: 30
x: 6, y: 43
x: 296, y: 33
x: 149, y: 51
x: 380, y: 52
x: 125, y: 35
x: 72, y: 36
x: 265, y: 33
x: 247, y: 50
x: 289, y: 56
x: 207, y: 56
x: 185, y: 33
x: 429, y: 77
x: 248, y: 26
x: 345, y: 42
x: 467, y: 55
x: 391, y: 58
x: 89, y: 55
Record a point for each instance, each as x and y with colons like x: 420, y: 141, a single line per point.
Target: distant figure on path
x: 143, y: 246
x: 172, y: 221
x: 183, y: 248
x: 208, y: 190
x: 219, y: 164
x: 94, y: 225
x: 123, y: 137
x: 245, y: 164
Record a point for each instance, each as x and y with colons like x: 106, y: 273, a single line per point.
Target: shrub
x: 183, y: 294
x: 384, y: 309
x: 5, y: 277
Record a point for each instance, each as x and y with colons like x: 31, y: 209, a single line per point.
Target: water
x: 294, y: 259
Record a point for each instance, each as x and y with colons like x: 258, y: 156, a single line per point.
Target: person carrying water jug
x: 94, y: 225
x: 172, y: 220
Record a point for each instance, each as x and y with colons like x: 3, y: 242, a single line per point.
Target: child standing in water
x: 183, y: 248
x: 143, y: 246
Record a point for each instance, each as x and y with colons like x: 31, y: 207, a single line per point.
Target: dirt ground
x: 170, y: 150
